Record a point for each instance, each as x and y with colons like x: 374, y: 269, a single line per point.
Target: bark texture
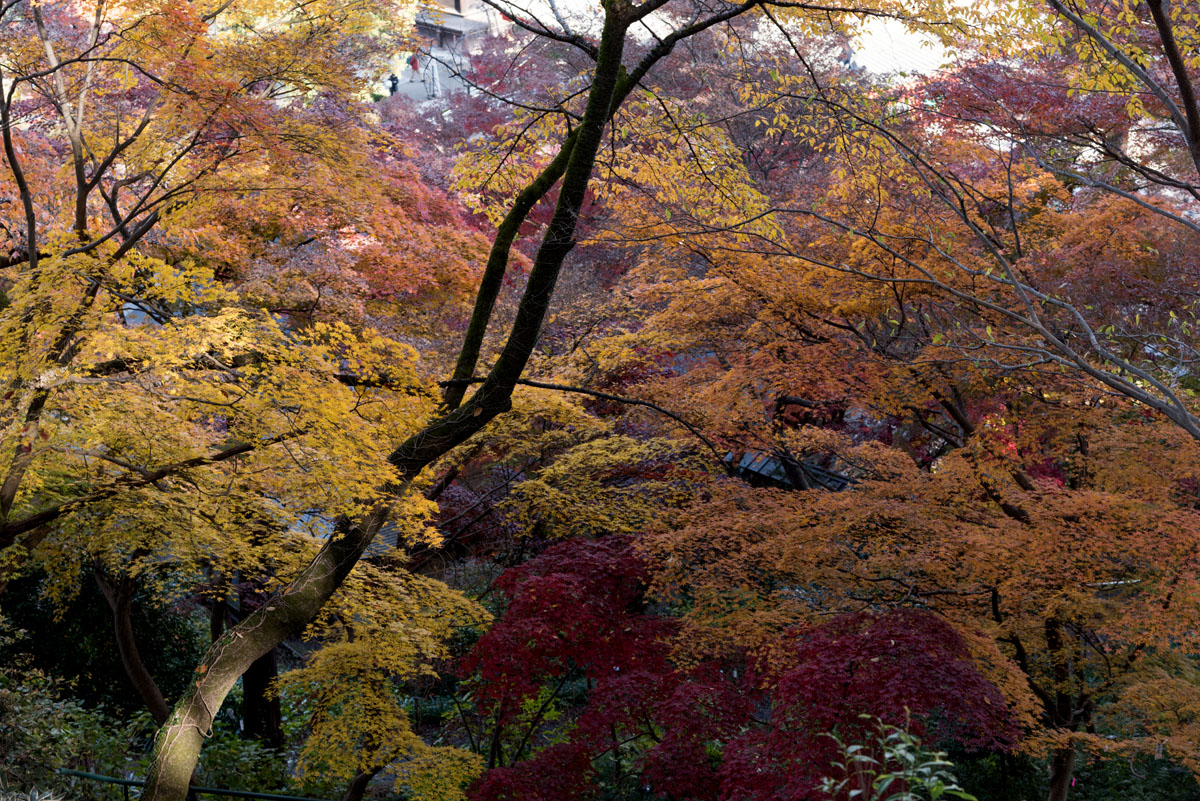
x: 1062, y: 770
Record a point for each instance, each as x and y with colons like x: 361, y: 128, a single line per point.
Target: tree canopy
x: 675, y: 409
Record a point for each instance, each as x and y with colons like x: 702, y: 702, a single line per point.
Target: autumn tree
x: 1065, y: 567
x: 839, y: 348
x: 744, y: 725
x: 151, y: 395
x: 831, y: 318
x: 571, y: 167
x: 961, y: 186
x: 166, y: 431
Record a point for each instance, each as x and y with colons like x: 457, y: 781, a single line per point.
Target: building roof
x: 765, y: 467
x: 449, y: 21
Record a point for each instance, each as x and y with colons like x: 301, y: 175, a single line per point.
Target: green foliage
x: 10, y: 793
x: 617, y: 778
x: 1017, y: 777
x: 1000, y: 777
x: 232, y: 763
x: 42, y: 730
x: 1141, y: 778
x: 76, y: 643
x: 897, y: 766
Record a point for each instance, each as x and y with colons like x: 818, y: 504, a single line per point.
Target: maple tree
x: 358, y: 519
x: 1031, y: 157
x: 966, y: 187
x: 886, y: 400
x: 174, y: 167
x: 1068, y: 633
x: 578, y: 612
x: 245, y: 314
x: 843, y: 355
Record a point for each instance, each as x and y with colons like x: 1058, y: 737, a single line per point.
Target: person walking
x: 414, y: 61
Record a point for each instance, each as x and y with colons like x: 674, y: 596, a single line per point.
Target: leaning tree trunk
x: 1062, y: 771
x: 178, y: 744
x: 262, y: 717
x: 120, y: 601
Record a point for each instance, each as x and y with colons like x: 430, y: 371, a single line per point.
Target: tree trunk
x: 178, y: 744
x: 358, y: 785
x: 216, y: 620
x: 120, y: 600
x: 493, y: 274
x: 1062, y: 770
x: 262, y: 718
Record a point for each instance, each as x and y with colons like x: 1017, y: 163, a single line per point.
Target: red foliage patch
x: 711, y: 732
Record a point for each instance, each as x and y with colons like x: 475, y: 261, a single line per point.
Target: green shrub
x: 897, y: 766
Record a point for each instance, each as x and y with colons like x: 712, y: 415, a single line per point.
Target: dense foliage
x: 672, y: 410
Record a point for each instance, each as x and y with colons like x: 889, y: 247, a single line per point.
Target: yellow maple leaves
x: 157, y: 420
x: 383, y: 627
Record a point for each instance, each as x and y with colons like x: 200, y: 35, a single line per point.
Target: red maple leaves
x: 749, y: 727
